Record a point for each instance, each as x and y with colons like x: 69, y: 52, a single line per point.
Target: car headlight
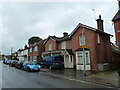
x: 30, y: 66
x: 39, y: 66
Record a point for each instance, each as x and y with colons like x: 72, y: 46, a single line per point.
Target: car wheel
x: 28, y: 69
x: 22, y: 68
x: 50, y: 67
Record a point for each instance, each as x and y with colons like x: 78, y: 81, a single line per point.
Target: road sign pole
x: 84, y: 62
x: 84, y: 52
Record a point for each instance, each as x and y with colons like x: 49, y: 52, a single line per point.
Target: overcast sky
x: 21, y: 20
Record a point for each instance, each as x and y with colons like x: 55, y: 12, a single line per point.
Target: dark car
x: 13, y: 62
x: 8, y: 62
x: 19, y: 64
x: 53, y: 62
x: 4, y: 61
x: 119, y: 72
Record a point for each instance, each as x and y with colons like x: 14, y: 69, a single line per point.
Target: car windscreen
x: 14, y: 61
x: 31, y: 62
x: 48, y: 59
x: 59, y: 59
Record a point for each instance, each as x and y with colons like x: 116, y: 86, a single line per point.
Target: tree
x: 33, y: 39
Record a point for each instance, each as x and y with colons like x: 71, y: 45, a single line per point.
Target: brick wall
x: 117, y: 35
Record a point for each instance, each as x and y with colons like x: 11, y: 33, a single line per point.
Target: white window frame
x: 35, y: 48
x: 34, y: 58
x: 30, y: 49
x: 30, y: 58
x: 63, y: 44
x: 50, y: 46
x: 82, y: 40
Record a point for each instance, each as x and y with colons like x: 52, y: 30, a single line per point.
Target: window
x: 80, y: 58
x: 30, y: 49
x: 35, y: 48
x: 98, y: 38
x: 64, y: 45
x: 30, y: 58
x: 50, y: 46
x: 34, y: 58
x: 87, y: 59
x: 82, y: 40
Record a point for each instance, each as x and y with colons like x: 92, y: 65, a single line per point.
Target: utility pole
x: 11, y: 52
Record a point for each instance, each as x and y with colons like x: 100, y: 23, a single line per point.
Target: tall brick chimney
x: 65, y: 34
x: 119, y: 4
x: 100, y: 24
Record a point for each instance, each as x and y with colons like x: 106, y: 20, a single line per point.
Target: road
x: 16, y: 78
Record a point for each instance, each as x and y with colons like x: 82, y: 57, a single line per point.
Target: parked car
x: 53, y: 62
x: 8, y: 62
x: 13, y: 62
x: 119, y: 72
x: 4, y: 61
x: 19, y: 64
x: 31, y: 66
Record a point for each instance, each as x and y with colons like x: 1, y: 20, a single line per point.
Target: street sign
x: 83, y: 46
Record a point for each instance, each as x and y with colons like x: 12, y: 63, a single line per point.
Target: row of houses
x: 97, y: 52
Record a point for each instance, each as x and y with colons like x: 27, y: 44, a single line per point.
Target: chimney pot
x: 119, y: 4
x: 100, y: 23
x: 65, y: 34
x: 99, y: 16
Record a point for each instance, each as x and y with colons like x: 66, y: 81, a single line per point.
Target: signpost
x: 84, y: 46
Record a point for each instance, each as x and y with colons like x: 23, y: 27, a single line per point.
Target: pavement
x: 106, y: 78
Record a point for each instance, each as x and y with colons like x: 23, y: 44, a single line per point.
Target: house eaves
x: 117, y: 16
x: 49, y: 37
x: 88, y: 27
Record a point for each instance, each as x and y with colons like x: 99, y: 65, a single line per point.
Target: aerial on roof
x: 117, y: 16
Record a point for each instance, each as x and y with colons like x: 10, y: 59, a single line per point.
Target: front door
x: 80, y: 63
x: 66, y: 61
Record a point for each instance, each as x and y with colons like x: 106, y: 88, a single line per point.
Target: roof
x: 88, y: 27
x: 117, y: 16
x: 57, y: 39
x: 116, y: 51
x: 35, y: 44
x: 59, y: 50
x: 68, y: 37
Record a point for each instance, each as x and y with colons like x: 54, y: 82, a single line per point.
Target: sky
x: 20, y: 20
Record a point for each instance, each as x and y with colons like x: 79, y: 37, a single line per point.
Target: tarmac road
x: 16, y: 78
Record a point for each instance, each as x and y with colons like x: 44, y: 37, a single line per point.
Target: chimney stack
x: 119, y: 4
x: 100, y: 24
x: 65, y: 34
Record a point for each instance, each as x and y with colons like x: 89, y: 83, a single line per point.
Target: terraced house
x: 34, y: 51
x: 97, y: 51
x: 116, y: 47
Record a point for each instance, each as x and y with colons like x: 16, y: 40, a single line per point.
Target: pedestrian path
x: 108, y: 78
x: 0, y: 75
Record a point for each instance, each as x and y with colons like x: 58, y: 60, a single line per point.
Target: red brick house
x: 115, y: 63
x: 60, y: 46
x: 98, y: 49
x: 116, y: 20
x: 34, y: 51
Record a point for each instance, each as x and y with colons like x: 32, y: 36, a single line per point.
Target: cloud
x: 22, y: 20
